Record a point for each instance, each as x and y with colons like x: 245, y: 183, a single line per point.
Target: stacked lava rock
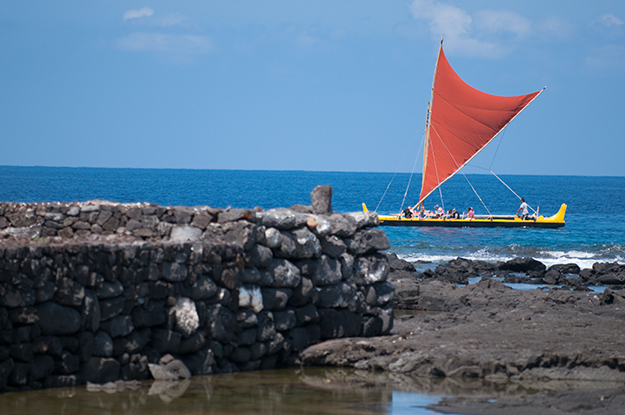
x: 93, y: 292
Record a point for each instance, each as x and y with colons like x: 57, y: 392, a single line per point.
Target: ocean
x: 595, y: 218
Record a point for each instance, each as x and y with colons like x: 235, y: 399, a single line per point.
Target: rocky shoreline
x: 492, y: 332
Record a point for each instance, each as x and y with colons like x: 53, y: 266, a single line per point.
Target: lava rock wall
x: 93, y: 292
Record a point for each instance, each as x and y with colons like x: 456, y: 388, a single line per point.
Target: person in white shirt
x: 523, y: 210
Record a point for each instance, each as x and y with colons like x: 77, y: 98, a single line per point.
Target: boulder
x: 282, y: 219
x: 370, y: 269
x: 285, y: 273
x: 57, y: 319
x: 169, y: 368
x: 321, y: 198
x: 524, y: 264
x: 335, y: 323
x: 326, y: 271
x: 118, y: 326
x: 275, y: 298
x: 184, y: 233
x: 100, y: 370
x: 187, y: 320
x: 339, y: 295
x: 366, y: 241
x: 306, y: 243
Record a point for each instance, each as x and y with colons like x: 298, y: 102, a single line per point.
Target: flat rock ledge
x: 492, y: 332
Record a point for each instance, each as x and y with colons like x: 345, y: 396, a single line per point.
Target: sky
x: 304, y: 85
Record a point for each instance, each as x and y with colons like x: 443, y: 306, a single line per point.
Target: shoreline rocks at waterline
x: 490, y: 331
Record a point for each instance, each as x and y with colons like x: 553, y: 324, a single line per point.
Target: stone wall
x: 93, y: 292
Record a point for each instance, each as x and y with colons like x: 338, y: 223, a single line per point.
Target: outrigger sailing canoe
x: 460, y: 122
x: 480, y: 221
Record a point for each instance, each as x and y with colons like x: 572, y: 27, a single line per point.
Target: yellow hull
x: 555, y: 221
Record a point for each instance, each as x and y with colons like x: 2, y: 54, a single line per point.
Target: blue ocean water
x: 595, y: 219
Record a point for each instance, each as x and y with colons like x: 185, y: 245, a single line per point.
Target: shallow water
x: 305, y: 391
x: 529, y: 286
x: 290, y: 391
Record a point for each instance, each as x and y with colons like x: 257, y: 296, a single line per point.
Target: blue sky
x: 303, y: 85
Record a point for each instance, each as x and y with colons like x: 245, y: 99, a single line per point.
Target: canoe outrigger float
x: 460, y: 122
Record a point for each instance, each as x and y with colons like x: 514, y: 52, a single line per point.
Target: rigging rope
x: 495, y: 155
x: 440, y: 192
x: 397, y: 171
x: 490, y: 169
x: 410, y: 180
x: 435, y: 166
x: 478, y: 196
x: 509, y: 188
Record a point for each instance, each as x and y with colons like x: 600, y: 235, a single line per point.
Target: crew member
x: 523, y: 209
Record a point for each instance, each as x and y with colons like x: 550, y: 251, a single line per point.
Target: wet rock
x: 566, y: 268
x: 523, y: 265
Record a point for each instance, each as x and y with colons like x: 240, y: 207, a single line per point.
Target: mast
x: 426, y: 141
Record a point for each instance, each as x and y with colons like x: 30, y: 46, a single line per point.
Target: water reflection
x: 306, y: 391
x: 292, y: 391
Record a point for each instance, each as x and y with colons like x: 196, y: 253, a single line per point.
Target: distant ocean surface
x: 595, y: 218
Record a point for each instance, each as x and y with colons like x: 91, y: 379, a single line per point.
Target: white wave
x: 569, y: 254
x: 437, y: 259
x: 418, y: 257
x: 582, y: 263
x: 581, y: 258
x: 580, y: 254
x: 556, y: 254
x: 549, y: 258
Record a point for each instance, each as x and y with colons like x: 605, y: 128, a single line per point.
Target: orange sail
x: 461, y: 122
